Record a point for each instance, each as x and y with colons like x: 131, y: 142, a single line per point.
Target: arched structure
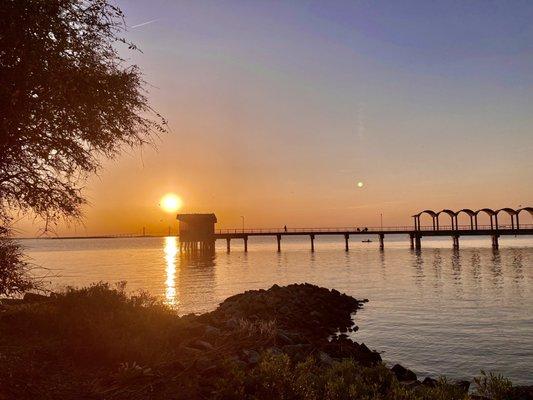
x: 511, y: 213
x: 526, y: 209
x: 492, y: 215
x: 432, y: 214
x: 472, y: 214
x: 453, y: 217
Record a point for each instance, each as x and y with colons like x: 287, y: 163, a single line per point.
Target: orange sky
x: 277, y: 111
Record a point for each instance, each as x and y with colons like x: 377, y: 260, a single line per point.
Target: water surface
x: 439, y: 311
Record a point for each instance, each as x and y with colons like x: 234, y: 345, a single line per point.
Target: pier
x: 415, y: 233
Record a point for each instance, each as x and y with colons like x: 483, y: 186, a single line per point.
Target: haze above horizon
x: 324, y: 113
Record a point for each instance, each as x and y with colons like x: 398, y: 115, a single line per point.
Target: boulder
x: 522, y: 393
x: 403, y: 374
x: 430, y: 382
x: 462, y: 385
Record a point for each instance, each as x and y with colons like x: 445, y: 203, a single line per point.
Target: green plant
x: 495, y: 387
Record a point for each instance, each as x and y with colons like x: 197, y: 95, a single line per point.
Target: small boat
x: 366, y: 241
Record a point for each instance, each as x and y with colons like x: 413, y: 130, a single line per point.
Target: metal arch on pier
x: 491, y: 213
x: 471, y: 213
x: 434, y: 217
x: 453, y: 217
x: 527, y: 209
x: 509, y: 211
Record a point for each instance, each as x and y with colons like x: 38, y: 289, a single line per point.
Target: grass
x: 100, y: 343
x: 277, y: 377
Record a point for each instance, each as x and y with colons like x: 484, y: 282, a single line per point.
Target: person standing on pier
x: 285, y: 228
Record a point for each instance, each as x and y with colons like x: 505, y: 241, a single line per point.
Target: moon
x: 360, y: 184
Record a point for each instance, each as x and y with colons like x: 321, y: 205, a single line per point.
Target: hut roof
x: 197, y: 217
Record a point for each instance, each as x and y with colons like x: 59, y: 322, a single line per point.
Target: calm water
x: 437, y: 312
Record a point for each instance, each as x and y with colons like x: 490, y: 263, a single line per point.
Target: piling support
x: 312, y: 242
x: 228, y: 246
x: 495, y: 243
x: 418, y: 242
x: 278, y: 237
x: 346, y: 238
x: 412, y: 241
x: 381, y: 241
x: 245, y: 244
x: 455, y: 239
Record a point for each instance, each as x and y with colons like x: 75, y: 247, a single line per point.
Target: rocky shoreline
x: 296, y: 323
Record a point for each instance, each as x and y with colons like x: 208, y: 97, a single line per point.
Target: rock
x: 462, y: 385
x: 522, y: 393
x: 403, y: 374
x: 367, y: 356
x: 325, y: 358
x: 429, y: 382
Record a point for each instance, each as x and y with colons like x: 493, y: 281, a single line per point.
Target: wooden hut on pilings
x: 197, y: 232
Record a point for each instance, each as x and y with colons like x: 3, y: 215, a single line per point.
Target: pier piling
x: 312, y: 242
x: 455, y: 239
x: 381, y: 241
x: 346, y: 246
x: 495, y: 243
x: 228, y: 247
x: 278, y: 237
x: 418, y: 242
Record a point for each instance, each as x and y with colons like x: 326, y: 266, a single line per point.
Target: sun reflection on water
x: 171, y: 250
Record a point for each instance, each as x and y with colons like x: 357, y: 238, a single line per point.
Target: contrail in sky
x: 145, y: 23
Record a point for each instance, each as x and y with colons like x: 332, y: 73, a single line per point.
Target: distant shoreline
x: 95, y: 237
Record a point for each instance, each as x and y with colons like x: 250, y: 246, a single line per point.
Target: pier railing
x: 372, y: 229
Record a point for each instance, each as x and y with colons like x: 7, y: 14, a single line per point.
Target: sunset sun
x: 171, y: 203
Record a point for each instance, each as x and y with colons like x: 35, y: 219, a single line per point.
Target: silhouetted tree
x: 13, y: 268
x: 67, y: 100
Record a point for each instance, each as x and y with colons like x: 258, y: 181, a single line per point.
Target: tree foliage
x: 67, y: 100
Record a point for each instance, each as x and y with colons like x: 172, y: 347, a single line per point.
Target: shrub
x: 276, y: 376
x: 495, y: 387
x: 14, y: 270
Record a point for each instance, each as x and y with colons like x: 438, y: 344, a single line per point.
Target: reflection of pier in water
x: 198, y: 235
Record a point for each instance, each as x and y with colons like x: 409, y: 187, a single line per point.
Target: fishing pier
x: 197, y: 232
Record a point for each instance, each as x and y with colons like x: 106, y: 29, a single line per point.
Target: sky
x: 278, y: 109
